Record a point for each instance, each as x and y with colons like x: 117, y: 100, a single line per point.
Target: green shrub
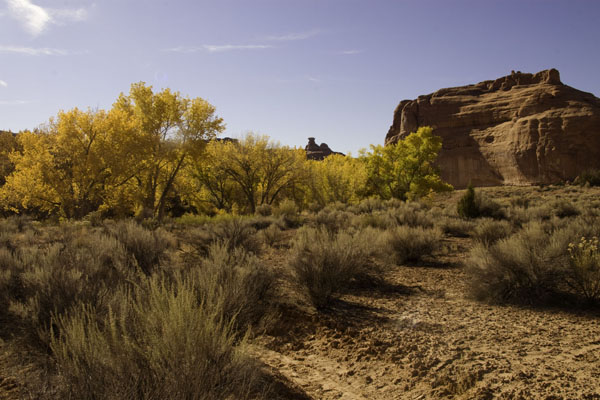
x: 467, y: 205
x: 590, y: 177
x: 488, y: 231
x: 404, y: 243
x: 325, y: 263
x: 474, y: 205
x: 160, y: 344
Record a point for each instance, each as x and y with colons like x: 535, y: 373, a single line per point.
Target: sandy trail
x: 402, y: 343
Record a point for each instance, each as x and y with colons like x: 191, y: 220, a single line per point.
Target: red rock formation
x: 519, y: 129
x: 318, y: 152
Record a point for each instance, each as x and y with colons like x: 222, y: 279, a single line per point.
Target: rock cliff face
x: 519, y: 129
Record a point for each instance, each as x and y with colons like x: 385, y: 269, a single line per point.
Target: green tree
x: 405, y: 169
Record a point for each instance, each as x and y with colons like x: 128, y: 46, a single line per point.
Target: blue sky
x: 290, y: 69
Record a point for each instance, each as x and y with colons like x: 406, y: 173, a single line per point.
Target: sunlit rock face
x: 519, y: 129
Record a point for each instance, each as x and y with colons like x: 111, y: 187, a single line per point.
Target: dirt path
x: 401, y: 343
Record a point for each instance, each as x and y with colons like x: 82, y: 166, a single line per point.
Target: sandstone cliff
x: 518, y: 129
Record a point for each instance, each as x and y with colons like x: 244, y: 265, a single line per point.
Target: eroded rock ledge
x: 519, y: 129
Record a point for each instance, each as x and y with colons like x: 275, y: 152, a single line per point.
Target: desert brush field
x: 378, y: 300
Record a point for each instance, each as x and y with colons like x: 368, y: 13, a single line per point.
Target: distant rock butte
x: 318, y: 152
x: 517, y: 130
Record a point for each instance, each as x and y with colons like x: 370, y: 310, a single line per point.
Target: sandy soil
x: 420, y: 338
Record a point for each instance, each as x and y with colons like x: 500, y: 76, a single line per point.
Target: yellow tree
x: 172, y: 129
x: 62, y: 167
x: 337, y: 178
x: 207, y: 182
x: 8, y: 144
x: 249, y: 172
x: 405, y: 169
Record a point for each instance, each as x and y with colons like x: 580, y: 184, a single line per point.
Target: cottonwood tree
x: 249, y: 172
x: 172, y: 130
x: 405, y: 169
x: 63, y: 167
x: 337, y: 178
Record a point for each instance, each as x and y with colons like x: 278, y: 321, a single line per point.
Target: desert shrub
x: 288, y: 213
x: 148, y: 247
x: 393, y: 203
x: 410, y: 214
x: 370, y: 204
x: 520, y: 201
x: 325, y: 263
x: 333, y: 220
x: 376, y: 219
x: 488, y: 231
x: 474, y: 205
x: 259, y: 223
x: 456, y: 227
x: 232, y: 233
x: 584, y: 268
x: 160, y: 344
x: 523, y: 268
x: 590, y: 177
x: 286, y: 208
x: 467, y: 205
x: 235, y: 283
x: 54, y: 279
x: 264, y: 210
x: 235, y: 233
x: 564, y: 209
x: 521, y: 216
x: 405, y: 243
x: 272, y: 236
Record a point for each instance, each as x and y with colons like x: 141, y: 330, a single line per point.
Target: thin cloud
x: 35, y: 19
x: 218, y: 48
x: 37, y: 51
x: 294, y: 36
x: 13, y: 102
x: 313, y: 79
x: 3, y: 83
x: 349, y: 52
x: 61, y: 16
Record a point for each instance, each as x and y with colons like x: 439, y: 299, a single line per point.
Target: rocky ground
x: 419, y: 337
